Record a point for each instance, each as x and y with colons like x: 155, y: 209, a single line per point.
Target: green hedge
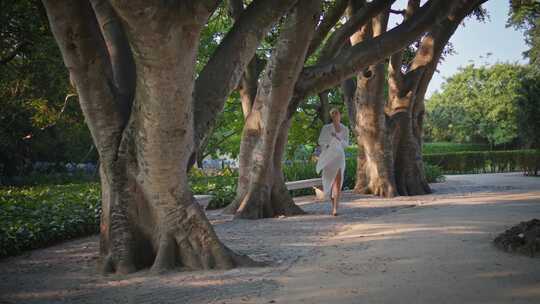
x: 437, y: 147
x: 33, y: 217
x: 527, y: 161
x: 448, y: 147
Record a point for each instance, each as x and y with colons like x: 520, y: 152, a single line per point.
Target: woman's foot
x: 334, y: 212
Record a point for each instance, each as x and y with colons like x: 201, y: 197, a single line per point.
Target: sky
x: 473, y: 40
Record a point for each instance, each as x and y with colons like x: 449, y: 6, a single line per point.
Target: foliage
x: 434, y: 173
x: 478, y: 104
x: 53, y: 178
x: 221, y: 185
x: 227, y: 134
x: 528, y: 103
x: 525, y: 15
x: 527, y: 161
x: 435, y: 147
x: 33, y: 217
x: 222, y: 188
x: 36, y: 123
x: 443, y: 147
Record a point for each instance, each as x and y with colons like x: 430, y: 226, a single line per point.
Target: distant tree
x: 483, y: 104
x: 528, y: 105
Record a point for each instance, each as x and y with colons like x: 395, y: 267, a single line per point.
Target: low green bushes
x: 433, y: 173
x: 527, y: 161
x: 221, y: 184
x: 447, y: 147
x: 222, y: 188
x: 33, y: 217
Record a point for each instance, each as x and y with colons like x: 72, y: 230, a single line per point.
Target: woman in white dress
x: 333, y: 140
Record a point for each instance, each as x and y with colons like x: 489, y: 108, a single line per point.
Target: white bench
x: 307, y: 183
x: 203, y: 200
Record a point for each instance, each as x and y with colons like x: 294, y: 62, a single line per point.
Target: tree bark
x: 261, y: 190
x: 374, y: 173
x: 406, y: 100
x: 225, y: 68
x: 150, y: 218
x: 324, y: 107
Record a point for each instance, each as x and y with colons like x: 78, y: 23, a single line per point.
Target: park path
x: 424, y: 249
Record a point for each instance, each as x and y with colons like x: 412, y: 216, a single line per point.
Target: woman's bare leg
x: 336, y: 192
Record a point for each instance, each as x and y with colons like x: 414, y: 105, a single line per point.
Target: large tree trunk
x: 406, y: 99
x: 150, y: 218
x: 261, y: 190
x: 408, y: 164
x: 374, y: 172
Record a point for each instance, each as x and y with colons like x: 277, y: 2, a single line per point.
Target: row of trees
x: 162, y: 84
x: 496, y: 105
x: 151, y: 105
x: 499, y: 104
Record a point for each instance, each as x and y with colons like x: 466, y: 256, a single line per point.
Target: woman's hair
x: 333, y: 110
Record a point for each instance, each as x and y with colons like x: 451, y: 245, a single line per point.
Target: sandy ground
x: 424, y: 249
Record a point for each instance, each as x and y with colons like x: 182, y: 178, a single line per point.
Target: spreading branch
x: 323, y: 76
x: 76, y: 29
x: 357, y: 20
x: 330, y: 19
x: 121, y: 58
x: 223, y: 71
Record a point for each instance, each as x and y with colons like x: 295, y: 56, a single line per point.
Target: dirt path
x: 427, y: 249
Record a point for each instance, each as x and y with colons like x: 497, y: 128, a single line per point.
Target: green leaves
x: 478, y: 104
x: 34, y: 217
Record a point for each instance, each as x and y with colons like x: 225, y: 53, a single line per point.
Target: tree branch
x: 359, y: 18
x: 397, y: 12
x: 320, y: 77
x: 395, y: 75
x: 76, y: 30
x: 432, y: 46
x: 330, y: 19
x: 223, y: 71
x: 123, y: 65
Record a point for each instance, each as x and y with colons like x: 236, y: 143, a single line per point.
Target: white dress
x: 332, y: 156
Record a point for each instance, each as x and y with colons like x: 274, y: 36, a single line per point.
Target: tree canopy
x: 490, y: 104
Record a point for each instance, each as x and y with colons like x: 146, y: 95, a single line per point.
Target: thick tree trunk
x: 374, y: 173
x: 261, y: 190
x: 160, y: 213
x: 150, y: 218
x: 406, y: 99
x: 408, y: 164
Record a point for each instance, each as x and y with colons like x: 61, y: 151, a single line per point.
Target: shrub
x: 446, y: 147
x: 433, y: 173
x: 486, y: 161
x: 222, y: 188
x: 33, y: 217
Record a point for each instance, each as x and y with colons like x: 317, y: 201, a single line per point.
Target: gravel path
x: 65, y: 273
